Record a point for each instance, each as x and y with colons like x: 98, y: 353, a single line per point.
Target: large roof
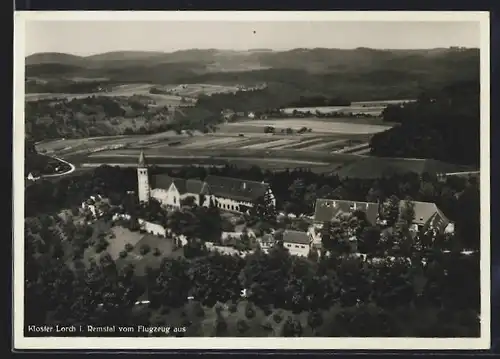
x: 165, y: 181
x: 235, y: 188
x: 428, y: 213
x: 328, y: 209
x: 297, y: 237
x: 226, y: 187
x: 196, y: 186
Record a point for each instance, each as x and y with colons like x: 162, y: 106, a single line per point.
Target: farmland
x: 242, y: 144
x: 329, y: 146
x: 117, y: 91
x: 167, y: 95
x: 373, y: 108
x: 317, y: 126
x: 195, y: 90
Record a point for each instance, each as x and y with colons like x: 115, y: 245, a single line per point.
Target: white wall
x: 450, y: 228
x: 152, y: 228
x: 143, y: 184
x: 314, y: 232
x: 170, y: 198
x: 270, y: 195
x: 297, y: 249
x: 227, y: 204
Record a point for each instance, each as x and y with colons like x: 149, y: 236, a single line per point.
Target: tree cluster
x: 442, y: 125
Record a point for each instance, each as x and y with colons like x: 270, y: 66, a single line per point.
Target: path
x: 71, y: 170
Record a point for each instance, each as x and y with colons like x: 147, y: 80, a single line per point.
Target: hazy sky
x: 90, y: 37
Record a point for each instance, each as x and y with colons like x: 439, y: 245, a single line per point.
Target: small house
x: 297, y: 242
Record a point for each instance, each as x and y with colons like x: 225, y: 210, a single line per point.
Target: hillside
x: 442, y: 125
x: 362, y: 73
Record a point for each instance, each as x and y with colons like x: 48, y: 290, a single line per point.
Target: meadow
x: 317, y: 126
x: 195, y: 90
x: 127, y: 90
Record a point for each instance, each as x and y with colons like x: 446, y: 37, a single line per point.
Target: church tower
x: 143, y: 179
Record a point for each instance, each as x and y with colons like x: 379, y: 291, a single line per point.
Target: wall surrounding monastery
x: 152, y: 228
x: 227, y: 204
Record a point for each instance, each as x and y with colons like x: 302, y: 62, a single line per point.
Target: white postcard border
x: 21, y: 342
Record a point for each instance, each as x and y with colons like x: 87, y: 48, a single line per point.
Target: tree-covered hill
x: 442, y: 125
x: 359, y: 74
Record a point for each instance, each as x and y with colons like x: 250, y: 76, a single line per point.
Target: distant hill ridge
x: 358, y: 74
x: 293, y: 58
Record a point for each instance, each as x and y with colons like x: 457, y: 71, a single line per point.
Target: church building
x: 229, y: 194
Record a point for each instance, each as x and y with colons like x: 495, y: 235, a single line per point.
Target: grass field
x: 195, y: 90
x: 317, y: 126
x: 371, y: 110
x: 118, y: 91
x: 121, y: 237
x: 142, y: 261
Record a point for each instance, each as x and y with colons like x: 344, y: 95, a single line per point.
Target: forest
x: 442, y: 125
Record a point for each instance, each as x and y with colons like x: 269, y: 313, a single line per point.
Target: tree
x: 170, y: 284
x: 336, y: 236
x: 314, y: 319
x: 313, y: 255
x: 263, y: 209
x: 189, y: 201
x: 390, y: 210
x: 292, y: 328
x: 407, y: 214
x: 369, y: 241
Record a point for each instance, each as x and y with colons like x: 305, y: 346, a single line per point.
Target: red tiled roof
x: 235, y: 188
x: 297, y: 237
x: 328, y: 209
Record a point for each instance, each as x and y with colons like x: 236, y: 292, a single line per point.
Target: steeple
x: 142, y: 160
x: 143, y: 179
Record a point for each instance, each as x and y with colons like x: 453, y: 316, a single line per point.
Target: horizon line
x: 255, y: 49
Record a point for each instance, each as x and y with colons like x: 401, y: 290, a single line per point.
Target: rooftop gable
x: 165, y: 181
x: 296, y: 237
x: 327, y: 209
x: 236, y: 188
x: 424, y: 211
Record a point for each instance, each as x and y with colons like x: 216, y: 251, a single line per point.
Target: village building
x: 427, y: 215
x: 298, y: 243
x: 33, y: 176
x: 266, y: 242
x: 228, y: 194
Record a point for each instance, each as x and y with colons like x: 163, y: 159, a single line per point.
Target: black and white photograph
x: 236, y: 180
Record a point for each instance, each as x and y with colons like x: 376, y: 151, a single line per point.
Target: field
x: 195, y: 90
x: 373, y: 108
x: 334, y: 145
x: 317, y: 125
x: 117, y: 91
x: 142, y: 261
x: 118, y: 237
x: 316, y: 150
x: 177, y: 96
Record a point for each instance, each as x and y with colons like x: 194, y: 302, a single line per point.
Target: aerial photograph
x: 252, y: 179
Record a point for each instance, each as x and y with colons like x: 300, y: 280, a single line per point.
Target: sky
x: 92, y: 37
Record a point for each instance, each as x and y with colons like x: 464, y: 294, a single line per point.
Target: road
x: 71, y: 170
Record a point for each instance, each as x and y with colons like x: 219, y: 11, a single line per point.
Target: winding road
x: 71, y: 170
